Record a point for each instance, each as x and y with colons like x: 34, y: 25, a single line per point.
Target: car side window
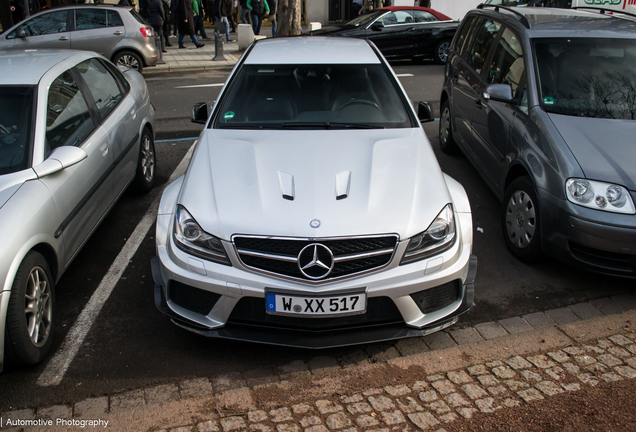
x: 397, y: 17
x: 462, y: 37
x: 68, y: 118
x: 484, y: 40
x: 114, y: 19
x: 50, y: 23
x: 102, y: 85
x: 86, y: 19
x: 507, y: 64
x: 423, y: 16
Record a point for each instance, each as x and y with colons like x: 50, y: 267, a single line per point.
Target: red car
x: 402, y: 32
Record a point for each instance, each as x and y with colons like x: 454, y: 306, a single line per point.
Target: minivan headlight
x: 190, y: 238
x: 438, y: 237
x: 599, y: 195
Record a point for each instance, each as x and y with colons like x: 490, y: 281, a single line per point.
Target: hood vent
x: 286, y: 183
x: 343, y: 184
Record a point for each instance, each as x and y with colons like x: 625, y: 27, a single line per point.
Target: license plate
x: 308, y: 306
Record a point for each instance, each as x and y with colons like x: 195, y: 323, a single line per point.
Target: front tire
x: 521, y: 220
x: 442, y: 50
x: 146, y: 164
x: 446, y: 142
x: 129, y: 59
x: 31, y: 311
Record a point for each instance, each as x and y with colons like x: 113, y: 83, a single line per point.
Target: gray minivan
x: 116, y: 32
x: 542, y: 102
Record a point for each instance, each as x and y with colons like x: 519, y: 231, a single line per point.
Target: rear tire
x: 146, y: 164
x: 446, y: 142
x: 521, y: 220
x: 129, y: 59
x: 31, y: 311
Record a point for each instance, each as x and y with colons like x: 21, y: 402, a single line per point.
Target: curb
x: 421, y: 390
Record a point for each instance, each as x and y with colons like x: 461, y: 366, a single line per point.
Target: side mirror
x: 377, y: 26
x: 21, y: 33
x: 200, y: 113
x: 499, y: 93
x: 61, y: 158
x: 425, y: 112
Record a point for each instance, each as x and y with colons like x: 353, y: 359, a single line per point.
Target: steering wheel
x: 360, y: 102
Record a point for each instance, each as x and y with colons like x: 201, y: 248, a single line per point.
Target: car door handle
x: 412, y: 29
x: 478, y: 103
x: 63, y: 38
x: 118, y: 33
x: 104, y: 149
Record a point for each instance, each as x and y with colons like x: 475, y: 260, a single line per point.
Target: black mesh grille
x: 604, y: 261
x: 251, y: 311
x: 191, y: 298
x: 437, y: 298
x: 291, y: 248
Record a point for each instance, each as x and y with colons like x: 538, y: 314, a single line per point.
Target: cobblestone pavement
x: 425, y: 391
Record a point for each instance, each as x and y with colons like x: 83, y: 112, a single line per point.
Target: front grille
x: 191, y: 298
x: 251, y: 311
x: 437, y: 298
x: 350, y: 255
x: 616, y: 263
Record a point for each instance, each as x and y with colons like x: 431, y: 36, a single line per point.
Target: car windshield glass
x: 587, y: 77
x: 16, y: 105
x: 313, y: 96
x: 365, y: 19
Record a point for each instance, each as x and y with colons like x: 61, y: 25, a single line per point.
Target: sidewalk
x: 432, y: 383
x: 199, y: 59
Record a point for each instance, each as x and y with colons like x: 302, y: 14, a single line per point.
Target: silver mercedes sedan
x: 313, y: 212
x: 74, y: 133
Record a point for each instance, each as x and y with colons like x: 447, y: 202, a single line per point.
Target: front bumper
x: 599, y: 241
x: 222, y: 301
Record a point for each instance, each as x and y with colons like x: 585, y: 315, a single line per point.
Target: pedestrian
x: 367, y: 7
x: 199, y: 16
x: 356, y: 6
x: 272, y: 15
x: 259, y: 9
x: 245, y: 13
x: 167, y: 19
x: 224, y: 10
x: 143, y: 8
x: 185, y: 17
x: 155, y: 19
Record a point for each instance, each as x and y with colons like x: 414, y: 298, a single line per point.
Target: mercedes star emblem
x: 314, y: 223
x: 315, y: 261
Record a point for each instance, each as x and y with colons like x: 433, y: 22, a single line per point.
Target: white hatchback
x: 313, y: 212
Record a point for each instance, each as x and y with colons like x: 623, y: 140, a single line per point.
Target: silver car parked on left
x: 74, y: 133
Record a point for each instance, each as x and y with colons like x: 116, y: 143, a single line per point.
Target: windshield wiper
x: 329, y: 125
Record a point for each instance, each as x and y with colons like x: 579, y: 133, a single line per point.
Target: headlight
x: 190, y: 238
x: 439, y: 237
x: 599, y: 195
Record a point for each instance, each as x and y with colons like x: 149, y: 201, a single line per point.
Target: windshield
x: 16, y: 104
x: 587, y: 77
x: 365, y: 19
x: 313, y: 96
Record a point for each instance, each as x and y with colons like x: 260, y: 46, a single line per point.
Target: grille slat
x: 283, y: 253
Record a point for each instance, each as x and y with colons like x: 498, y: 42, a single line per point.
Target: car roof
x: 555, y: 22
x: 312, y: 50
x: 439, y: 15
x: 26, y: 67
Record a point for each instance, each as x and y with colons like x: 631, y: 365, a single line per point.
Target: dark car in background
x: 116, y: 32
x: 401, y: 32
x: 542, y: 102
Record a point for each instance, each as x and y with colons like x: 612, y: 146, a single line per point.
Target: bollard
x: 158, y: 45
x: 218, y: 47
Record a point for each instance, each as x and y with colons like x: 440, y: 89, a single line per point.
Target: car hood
x: 604, y: 148
x: 10, y: 183
x: 237, y: 180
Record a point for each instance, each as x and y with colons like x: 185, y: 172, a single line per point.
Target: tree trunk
x: 288, y: 18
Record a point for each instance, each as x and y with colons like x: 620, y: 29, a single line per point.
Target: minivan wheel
x: 31, y: 311
x: 145, y: 177
x: 521, y: 220
x: 129, y: 59
x: 441, y: 52
x: 446, y: 141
